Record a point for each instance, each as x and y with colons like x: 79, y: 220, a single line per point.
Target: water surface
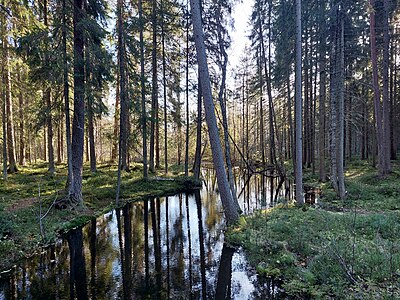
x: 161, y: 248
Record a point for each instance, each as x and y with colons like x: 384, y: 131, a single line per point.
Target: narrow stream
x: 161, y: 248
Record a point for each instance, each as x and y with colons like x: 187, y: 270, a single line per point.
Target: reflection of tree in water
x: 78, y: 283
x: 153, y: 238
x: 105, y: 256
x: 177, y: 238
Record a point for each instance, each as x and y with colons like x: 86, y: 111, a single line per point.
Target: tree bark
x: 4, y: 121
x: 197, y: 156
x: 21, y: 124
x: 47, y: 99
x: 66, y: 101
x: 164, y: 90
x: 385, y: 90
x: 143, y: 90
x: 154, y: 92
x: 78, y: 124
x: 379, y: 115
x: 298, y: 110
x: 230, y: 210
x: 187, y: 98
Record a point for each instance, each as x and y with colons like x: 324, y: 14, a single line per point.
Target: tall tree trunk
x: 143, y: 90
x: 114, y: 149
x: 322, y: 100
x: 4, y: 121
x: 66, y: 100
x: 78, y: 124
x: 187, y: 97
x: 92, y: 149
x: 90, y: 112
x: 262, y: 138
x: 12, y: 168
x: 164, y: 90
x: 298, y: 110
x: 385, y: 89
x: 50, y: 148
x: 224, y: 113
x: 47, y: 100
x: 197, y: 156
x: 230, y: 210
x: 154, y: 91
x: 21, y: 124
x: 380, y: 130
x: 122, y: 144
x: 333, y: 109
x: 340, y: 133
x: 124, y: 107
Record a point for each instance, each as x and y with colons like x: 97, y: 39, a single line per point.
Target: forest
x: 136, y: 121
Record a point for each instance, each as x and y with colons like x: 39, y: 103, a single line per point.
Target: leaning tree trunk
x: 78, y: 123
x: 221, y: 99
x: 230, y: 210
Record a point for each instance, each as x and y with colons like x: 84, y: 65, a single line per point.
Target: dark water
x: 162, y: 248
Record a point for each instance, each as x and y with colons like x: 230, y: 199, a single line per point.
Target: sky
x: 241, y: 15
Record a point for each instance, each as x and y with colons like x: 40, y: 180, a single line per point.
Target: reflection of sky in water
x: 105, y: 273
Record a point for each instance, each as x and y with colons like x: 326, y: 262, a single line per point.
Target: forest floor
x: 334, y: 249
x: 33, y: 187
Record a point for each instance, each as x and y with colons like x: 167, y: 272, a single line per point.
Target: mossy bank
x: 337, y: 250
x: 33, y: 187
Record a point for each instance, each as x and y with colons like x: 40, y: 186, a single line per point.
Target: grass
x: 20, y: 234
x: 341, y: 250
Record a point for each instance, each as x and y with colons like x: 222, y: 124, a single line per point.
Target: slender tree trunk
x: 197, y: 156
x: 340, y: 133
x: 322, y: 100
x: 66, y: 101
x: 47, y: 100
x: 114, y: 150
x: 78, y: 124
x: 12, y: 168
x: 298, y: 110
x: 164, y: 90
x: 143, y: 90
x: 385, y: 89
x: 21, y: 124
x: 187, y: 97
x: 230, y: 210
x: 262, y: 138
x: 50, y: 148
x: 4, y: 121
x: 333, y: 109
x: 380, y: 132
x: 154, y: 92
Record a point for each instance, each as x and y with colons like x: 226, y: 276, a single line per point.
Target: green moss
x: 317, y: 252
